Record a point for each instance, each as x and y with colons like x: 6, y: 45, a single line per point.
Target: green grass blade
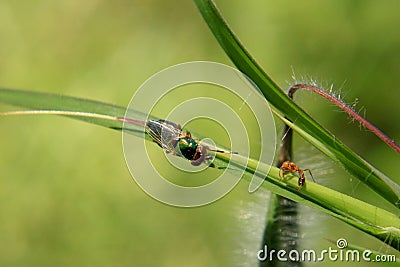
x: 331, y: 146
x: 323, y: 148
x: 370, y: 219
x: 45, y: 101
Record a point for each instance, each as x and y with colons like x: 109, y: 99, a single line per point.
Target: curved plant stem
x: 297, y: 118
x: 351, y: 112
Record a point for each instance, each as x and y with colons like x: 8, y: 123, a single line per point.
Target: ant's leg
x: 310, y: 174
x: 282, y: 172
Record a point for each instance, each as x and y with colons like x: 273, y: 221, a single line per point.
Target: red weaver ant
x: 291, y: 167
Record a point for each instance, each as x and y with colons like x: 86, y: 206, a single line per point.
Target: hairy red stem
x: 351, y: 112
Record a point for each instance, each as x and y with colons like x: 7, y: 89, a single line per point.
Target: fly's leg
x: 200, y: 156
x: 198, y: 161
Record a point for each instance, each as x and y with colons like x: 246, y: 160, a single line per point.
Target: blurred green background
x: 66, y: 195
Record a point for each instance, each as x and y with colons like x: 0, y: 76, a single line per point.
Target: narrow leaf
x: 365, y: 217
x: 329, y: 144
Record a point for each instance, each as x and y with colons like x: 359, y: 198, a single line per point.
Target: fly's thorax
x: 187, y: 147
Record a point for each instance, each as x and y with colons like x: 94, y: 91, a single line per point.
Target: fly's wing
x: 165, y: 134
x: 168, y: 134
